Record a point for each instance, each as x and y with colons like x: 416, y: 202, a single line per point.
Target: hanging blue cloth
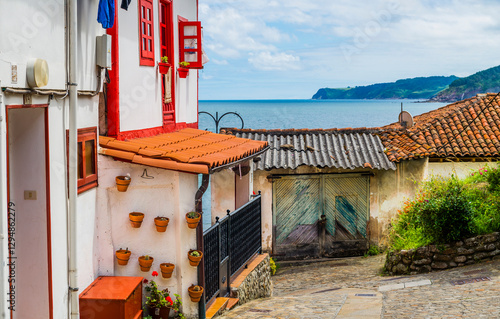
x: 106, y: 13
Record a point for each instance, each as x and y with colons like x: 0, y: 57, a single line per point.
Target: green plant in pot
x: 195, y: 257
x: 158, y: 301
x: 183, y: 69
x: 163, y: 66
x: 193, y: 219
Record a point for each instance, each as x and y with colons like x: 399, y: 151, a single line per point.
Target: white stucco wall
x: 222, y: 186
x: 170, y: 194
x: 140, y: 86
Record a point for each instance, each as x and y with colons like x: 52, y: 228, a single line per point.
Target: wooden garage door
x: 299, y: 202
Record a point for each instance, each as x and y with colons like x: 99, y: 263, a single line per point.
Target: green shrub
x: 372, y: 251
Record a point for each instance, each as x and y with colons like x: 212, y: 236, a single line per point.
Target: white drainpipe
x: 73, y: 161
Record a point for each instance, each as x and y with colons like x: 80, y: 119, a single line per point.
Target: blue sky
x: 267, y: 49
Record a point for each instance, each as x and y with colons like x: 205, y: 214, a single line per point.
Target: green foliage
x: 372, y: 251
x: 274, y: 266
x: 446, y: 210
x: 416, y: 88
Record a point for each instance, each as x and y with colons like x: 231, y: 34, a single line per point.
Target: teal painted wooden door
x: 297, y: 203
x: 346, y: 206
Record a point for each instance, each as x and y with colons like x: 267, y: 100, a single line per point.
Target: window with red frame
x: 190, y: 43
x: 87, y: 158
x: 146, y: 33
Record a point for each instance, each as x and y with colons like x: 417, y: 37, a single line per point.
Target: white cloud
x: 274, y: 61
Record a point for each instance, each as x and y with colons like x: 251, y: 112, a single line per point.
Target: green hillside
x: 487, y: 81
x: 415, y: 88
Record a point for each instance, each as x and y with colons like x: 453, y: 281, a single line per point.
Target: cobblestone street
x: 354, y: 288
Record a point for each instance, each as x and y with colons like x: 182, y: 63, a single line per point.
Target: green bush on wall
x: 449, y: 209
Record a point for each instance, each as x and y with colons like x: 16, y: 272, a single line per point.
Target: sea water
x: 312, y: 114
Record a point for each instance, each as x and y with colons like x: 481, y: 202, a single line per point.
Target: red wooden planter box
x: 112, y: 297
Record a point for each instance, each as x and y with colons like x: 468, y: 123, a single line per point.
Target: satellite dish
x: 405, y: 119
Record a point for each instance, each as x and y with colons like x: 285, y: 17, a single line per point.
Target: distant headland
x: 433, y: 88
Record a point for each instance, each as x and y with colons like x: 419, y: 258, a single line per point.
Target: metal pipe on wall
x: 199, y: 238
x: 73, y: 161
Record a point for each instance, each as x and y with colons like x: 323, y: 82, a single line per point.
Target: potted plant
x: 159, y: 303
x: 166, y: 270
x: 122, y: 182
x: 183, y: 70
x: 145, y: 262
x: 194, y: 257
x: 195, y: 293
x: 161, y: 224
x: 192, y: 219
x: 123, y: 256
x: 136, y: 219
x: 163, y: 66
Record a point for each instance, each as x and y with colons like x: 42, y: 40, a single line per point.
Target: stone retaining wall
x: 257, y: 283
x: 438, y: 257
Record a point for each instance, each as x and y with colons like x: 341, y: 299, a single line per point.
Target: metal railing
x: 229, y: 244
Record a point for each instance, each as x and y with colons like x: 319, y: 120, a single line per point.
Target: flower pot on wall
x: 192, y: 219
x: 122, y: 183
x: 163, y: 67
x: 183, y: 72
x: 122, y: 256
x: 194, y: 257
x: 195, y: 293
x: 136, y: 219
x: 161, y: 224
x: 145, y: 262
x: 166, y: 270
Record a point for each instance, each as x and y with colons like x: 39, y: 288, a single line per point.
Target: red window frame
x: 146, y: 33
x: 166, y: 27
x: 193, y: 55
x: 85, y: 182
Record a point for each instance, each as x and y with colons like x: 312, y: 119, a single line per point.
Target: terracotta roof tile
x: 466, y: 128
x: 188, y: 150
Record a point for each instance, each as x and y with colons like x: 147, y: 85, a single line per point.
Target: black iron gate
x: 229, y: 244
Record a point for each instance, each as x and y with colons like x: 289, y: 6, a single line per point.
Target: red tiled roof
x: 468, y: 128
x: 187, y: 150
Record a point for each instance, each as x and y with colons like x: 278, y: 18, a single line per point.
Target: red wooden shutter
x: 146, y: 33
x: 190, y: 43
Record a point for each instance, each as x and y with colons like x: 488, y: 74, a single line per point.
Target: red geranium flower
x: 169, y: 300
x: 154, y: 273
x: 145, y: 281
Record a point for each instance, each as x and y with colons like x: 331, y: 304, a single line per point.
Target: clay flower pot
x: 122, y: 256
x: 183, y: 72
x: 167, y: 270
x: 159, y: 313
x: 122, y: 183
x: 195, y: 260
x: 145, y: 264
x: 136, y: 219
x: 195, y: 293
x: 193, y: 221
x: 163, y: 67
x: 161, y: 224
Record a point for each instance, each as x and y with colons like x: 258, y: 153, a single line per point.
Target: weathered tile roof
x: 468, y: 128
x: 345, y: 148
x: 187, y: 150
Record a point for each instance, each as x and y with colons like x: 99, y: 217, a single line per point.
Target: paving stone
x: 321, y: 291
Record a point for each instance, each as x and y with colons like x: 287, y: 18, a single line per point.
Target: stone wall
x: 257, y: 283
x: 438, y: 257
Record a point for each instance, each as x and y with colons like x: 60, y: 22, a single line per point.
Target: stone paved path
x: 354, y: 288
